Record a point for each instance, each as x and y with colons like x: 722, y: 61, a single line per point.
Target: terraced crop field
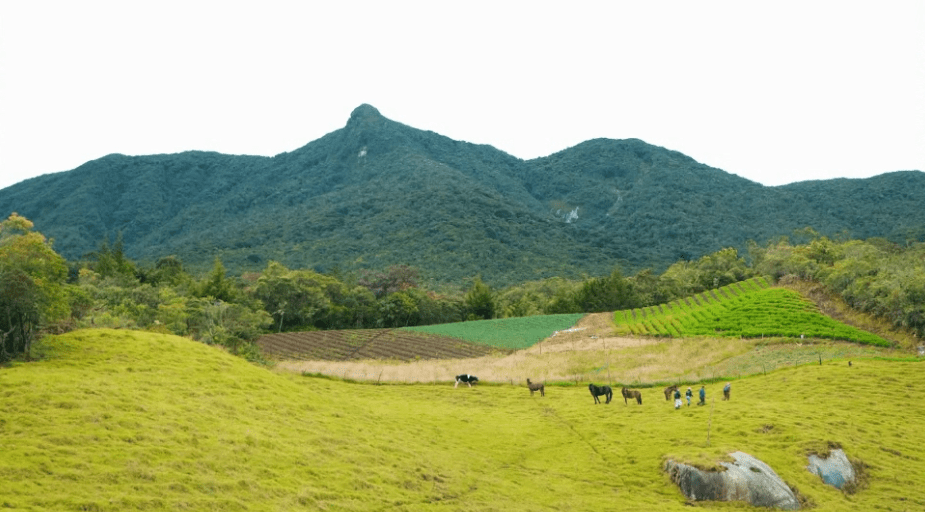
x: 748, y: 309
x: 351, y: 345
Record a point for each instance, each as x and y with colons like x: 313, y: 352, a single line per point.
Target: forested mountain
x: 377, y: 193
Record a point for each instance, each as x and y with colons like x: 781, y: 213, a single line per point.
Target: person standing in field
x: 689, y: 395
x: 677, y: 399
x: 703, y: 396
x: 726, y: 390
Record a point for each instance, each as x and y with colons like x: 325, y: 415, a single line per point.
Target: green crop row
x: 506, y: 333
x: 750, y: 309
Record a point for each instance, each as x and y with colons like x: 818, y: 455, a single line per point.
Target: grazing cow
x: 536, y: 387
x: 631, y: 393
x: 597, y: 391
x: 669, y: 390
x: 468, y: 379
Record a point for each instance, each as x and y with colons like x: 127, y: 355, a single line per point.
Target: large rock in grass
x: 747, y: 479
x: 835, y: 470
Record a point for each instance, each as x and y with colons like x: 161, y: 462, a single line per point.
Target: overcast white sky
x: 776, y: 91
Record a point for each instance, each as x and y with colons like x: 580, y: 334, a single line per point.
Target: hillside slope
x: 120, y: 420
x: 377, y: 192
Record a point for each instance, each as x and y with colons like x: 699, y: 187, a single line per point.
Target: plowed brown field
x: 351, y: 345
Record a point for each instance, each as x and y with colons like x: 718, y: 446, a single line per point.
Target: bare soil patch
x: 593, y: 332
x: 362, y: 344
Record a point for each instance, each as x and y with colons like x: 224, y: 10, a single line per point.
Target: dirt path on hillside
x: 593, y: 332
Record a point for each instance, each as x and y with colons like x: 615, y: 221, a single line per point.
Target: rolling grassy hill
x: 121, y: 420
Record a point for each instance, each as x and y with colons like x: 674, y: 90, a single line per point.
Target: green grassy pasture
x: 742, y: 310
x: 506, y: 333
x: 121, y: 420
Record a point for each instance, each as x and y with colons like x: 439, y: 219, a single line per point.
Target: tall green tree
x: 650, y: 289
x: 395, y: 278
x: 609, y: 293
x: 32, y: 277
x: 217, y: 285
x: 167, y: 270
x: 398, y: 309
x: 297, y: 298
x: 480, y: 301
x: 721, y: 268
x: 110, y: 260
x: 227, y: 324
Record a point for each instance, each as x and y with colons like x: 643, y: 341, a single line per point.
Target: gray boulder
x: 747, y: 479
x: 835, y: 470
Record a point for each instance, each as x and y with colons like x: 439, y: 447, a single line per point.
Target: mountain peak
x: 364, y: 112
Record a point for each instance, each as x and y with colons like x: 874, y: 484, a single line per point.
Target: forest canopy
x: 377, y: 194
x: 41, y: 292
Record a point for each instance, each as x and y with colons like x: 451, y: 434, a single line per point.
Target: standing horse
x: 597, y: 391
x: 536, y: 387
x: 631, y: 393
x: 669, y: 390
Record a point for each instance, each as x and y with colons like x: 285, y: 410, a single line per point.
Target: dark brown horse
x: 631, y: 393
x: 597, y: 391
x: 670, y: 390
x: 536, y: 387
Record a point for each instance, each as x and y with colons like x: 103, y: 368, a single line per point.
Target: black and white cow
x: 468, y: 379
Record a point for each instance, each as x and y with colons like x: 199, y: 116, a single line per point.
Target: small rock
x: 835, y: 470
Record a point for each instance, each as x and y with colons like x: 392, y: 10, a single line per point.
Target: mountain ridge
x: 377, y: 192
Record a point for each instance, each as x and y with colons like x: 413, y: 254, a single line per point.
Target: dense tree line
x: 41, y: 292
x: 32, y: 289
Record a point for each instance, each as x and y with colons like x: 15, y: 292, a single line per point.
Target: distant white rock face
x: 572, y: 215
x: 835, y: 470
x: 747, y: 479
